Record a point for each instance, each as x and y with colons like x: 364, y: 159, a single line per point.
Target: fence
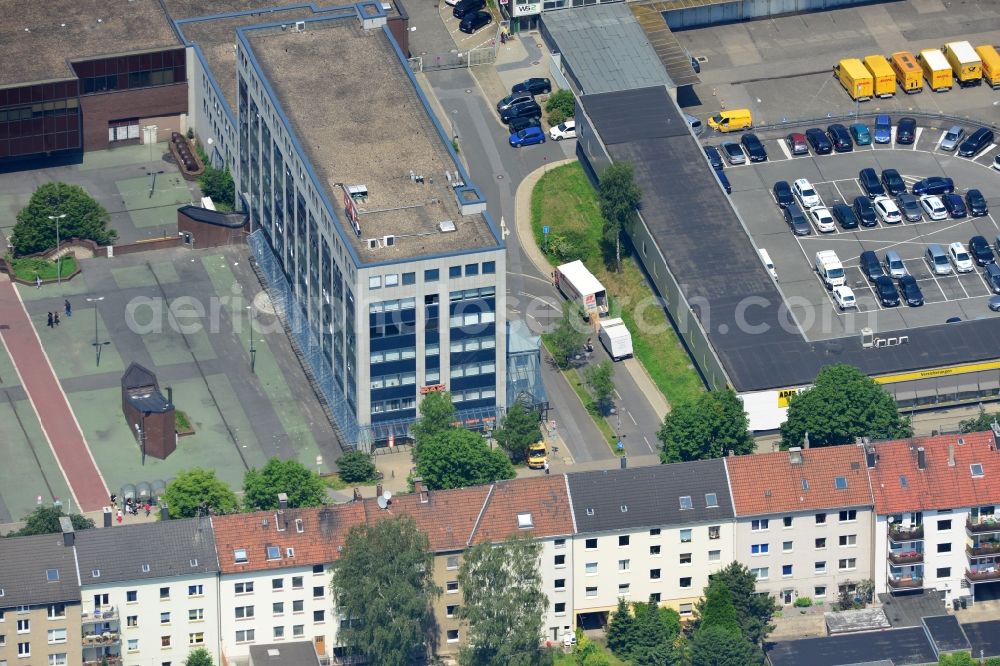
x: 485, y: 55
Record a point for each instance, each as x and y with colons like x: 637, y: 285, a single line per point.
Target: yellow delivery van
x: 964, y: 62
x: 991, y: 64
x: 882, y: 75
x: 937, y: 71
x: 855, y: 78
x: 909, y: 76
x: 731, y: 120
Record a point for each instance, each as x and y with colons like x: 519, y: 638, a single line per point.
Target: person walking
x: 147, y: 508
x: 68, y: 308
x: 38, y: 281
x: 545, y: 466
x: 50, y: 320
x: 55, y: 318
x: 119, y: 517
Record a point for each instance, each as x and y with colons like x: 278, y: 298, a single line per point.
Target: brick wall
x: 209, y: 235
x: 144, y: 103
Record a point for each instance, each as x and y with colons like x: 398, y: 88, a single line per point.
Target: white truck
x: 830, y: 270
x: 615, y: 337
x: 578, y: 284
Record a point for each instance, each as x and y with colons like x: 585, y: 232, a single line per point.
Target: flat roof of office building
x: 369, y: 126
x: 40, y: 39
x: 684, y: 206
x: 901, y: 647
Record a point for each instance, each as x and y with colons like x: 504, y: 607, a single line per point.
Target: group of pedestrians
x: 54, y: 316
x: 131, y: 507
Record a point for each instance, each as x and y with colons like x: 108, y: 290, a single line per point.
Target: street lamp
x: 97, y: 343
x: 56, y: 219
x: 253, y: 349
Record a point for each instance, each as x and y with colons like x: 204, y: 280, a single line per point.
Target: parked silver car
x: 952, y: 138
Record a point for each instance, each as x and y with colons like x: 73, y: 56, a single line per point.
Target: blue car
x: 861, y: 135
x: 883, y: 129
x: 529, y: 136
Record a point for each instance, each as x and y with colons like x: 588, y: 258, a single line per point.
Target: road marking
x: 634, y: 422
x: 958, y: 278
x: 984, y: 151
x: 617, y: 394
x: 784, y: 148
x: 646, y: 439
x: 916, y: 137
x: 940, y: 139
x: 990, y: 215
x: 892, y: 137
x: 982, y: 279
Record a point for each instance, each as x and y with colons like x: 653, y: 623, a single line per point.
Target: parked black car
x: 472, y: 22
x: 980, y: 250
x: 978, y: 140
x: 934, y: 185
x: 892, y: 182
x: 783, y: 193
x: 463, y: 7
x: 714, y: 158
x: 521, y: 110
x: 955, y: 205
x: 871, y: 266
x: 840, y: 138
x: 753, y: 146
x: 991, y: 273
x: 796, y: 219
x: 845, y: 216
x: 906, y: 130
x: 870, y: 183
x: 886, y: 291
x: 865, y: 212
x: 976, y: 202
x: 532, y: 86
x: 817, y: 139
x: 518, y: 124
x: 911, y: 291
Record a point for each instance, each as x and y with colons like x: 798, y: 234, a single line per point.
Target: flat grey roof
x: 605, y: 48
x: 368, y: 127
x: 298, y: 653
x: 24, y: 563
x: 984, y: 636
x: 684, y: 206
x: 902, y: 647
x: 640, y: 497
x: 947, y: 633
x: 41, y: 38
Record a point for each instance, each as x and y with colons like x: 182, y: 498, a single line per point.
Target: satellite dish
x: 383, y: 503
x: 387, y: 495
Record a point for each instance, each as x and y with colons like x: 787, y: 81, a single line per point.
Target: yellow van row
x: 877, y: 76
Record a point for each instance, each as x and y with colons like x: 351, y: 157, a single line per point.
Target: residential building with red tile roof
x: 937, y: 501
x: 804, y: 520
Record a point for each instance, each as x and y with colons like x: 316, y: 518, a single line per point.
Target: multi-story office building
x: 936, y: 504
x: 39, y: 601
x: 648, y: 532
x: 803, y: 520
x: 150, y: 592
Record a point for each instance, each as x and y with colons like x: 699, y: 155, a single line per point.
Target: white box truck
x: 830, y: 270
x: 615, y: 337
x: 578, y: 284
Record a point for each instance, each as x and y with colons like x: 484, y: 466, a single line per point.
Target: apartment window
x: 103, y: 598
x: 298, y: 605
x: 654, y: 551
x: 296, y: 582
x: 375, y: 282
x: 165, y: 641
x: 24, y: 649
x: 944, y: 524
x: 944, y: 572
x: 685, y: 558
x: 759, y: 525
x: 132, y: 621
x: 944, y: 548
x: 244, y: 588
x: 819, y: 591
x: 714, y: 555
x: 244, y: 635
x: 821, y: 542
x: 279, y: 632
x: 133, y: 645
x: 821, y: 519
x: 654, y: 596
x: 57, y: 611
x: 654, y: 574
x: 164, y: 593
x: 590, y: 544
x: 131, y: 596
x: 848, y: 539
x: 317, y: 568
x: 686, y: 535
x: 560, y: 584
x: 559, y: 543
x: 624, y: 565
x: 450, y: 610
x: 57, y: 636
x: 319, y: 616
x: 452, y: 562
x: 560, y: 560
x: 23, y: 626
x: 848, y: 516
x: 713, y: 531
x: 432, y: 275
x: 453, y: 635
x: 820, y: 567
x: 654, y: 531
x: 454, y: 271
x: 686, y: 609
x: 165, y: 618
x: 196, y: 614
x: 786, y: 546
x: 761, y: 573
x: 591, y: 591
x: 244, y: 612
x: 317, y: 591
x: 623, y: 540
x: 759, y: 549
x: 452, y: 586
x: 298, y: 630
x: 623, y: 588
x: 590, y: 568
x: 489, y: 267
x: 58, y: 659
x: 786, y: 569
x: 409, y: 278
x: 685, y: 582
x: 196, y: 590
x: 3, y: 643
x: 786, y: 521
x: 277, y: 583
x: 560, y: 608
x: 847, y: 564
x: 278, y: 608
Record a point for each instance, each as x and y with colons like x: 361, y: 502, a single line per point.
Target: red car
x: 797, y: 144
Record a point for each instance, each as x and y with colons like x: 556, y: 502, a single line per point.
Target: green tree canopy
x: 518, y: 430
x: 600, y: 379
x: 621, y: 629
x: 981, y: 423
x: 842, y: 405
x: 619, y: 196
x: 957, y: 659
x: 753, y: 611
x: 45, y: 520
x: 457, y: 458
x: 437, y: 413
x: 383, y: 583
x: 560, y: 105
x: 356, y: 467
x: 717, y: 608
x: 567, y: 338
x: 85, y: 218
x: 199, y: 657
x: 303, y: 486
x: 653, y: 635
x: 503, y: 603
x: 218, y: 184
x: 198, y: 491
x: 718, y: 646
x: 707, y: 426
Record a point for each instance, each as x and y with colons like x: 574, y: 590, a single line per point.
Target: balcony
x: 980, y: 575
x: 107, y: 614
x: 110, y: 660
x: 901, y: 534
x: 989, y: 524
x: 107, y: 639
x: 983, y: 548
x: 905, y: 557
x: 905, y: 583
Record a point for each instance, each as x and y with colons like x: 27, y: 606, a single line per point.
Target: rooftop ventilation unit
x: 358, y: 192
x: 446, y: 226
x: 300, y: 26
x: 388, y: 241
x: 372, y: 243
x: 414, y: 177
x: 454, y: 180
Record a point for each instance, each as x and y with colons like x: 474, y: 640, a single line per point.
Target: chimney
x: 357, y: 494
x: 870, y: 457
x: 623, y: 462
x: 170, y: 395
x: 951, y: 455
x: 107, y: 516
x: 418, y: 487
x: 921, y: 458
x: 164, y: 512
x: 282, y: 501
x: 378, y: 490
x: 805, y: 441
x: 69, y: 536
x: 795, y: 455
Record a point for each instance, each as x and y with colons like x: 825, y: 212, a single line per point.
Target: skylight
x: 145, y: 568
x: 52, y: 575
x: 240, y: 555
x: 686, y: 502
x: 977, y: 469
x: 590, y: 511
x: 524, y: 520
x: 840, y: 482
x: 711, y: 500
x: 805, y: 484
x: 903, y: 481
x: 273, y: 553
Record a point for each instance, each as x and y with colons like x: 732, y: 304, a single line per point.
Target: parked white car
x: 564, y: 130
x: 806, y: 193
x: 823, y: 219
x: 961, y: 259
x: 887, y: 210
x: 844, y: 297
x: 934, y: 207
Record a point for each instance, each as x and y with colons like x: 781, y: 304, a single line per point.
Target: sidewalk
x: 47, y: 398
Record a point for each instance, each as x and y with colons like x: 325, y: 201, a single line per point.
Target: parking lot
x: 835, y: 178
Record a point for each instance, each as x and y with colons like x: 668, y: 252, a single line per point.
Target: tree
x: 567, y: 338
x: 980, y: 423
x: 199, y: 657
x: 457, y: 458
x: 619, y: 197
x: 303, y: 486
x: 653, y: 635
x: 560, y: 105
x: 518, y: 430
x: 356, y: 467
x: 84, y: 218
x: 718, y: 646
x: 957, y: 659
x: 218, y: 184
x: 717, y: 610
x: 842, y: 405
x: 502, y: 602
x: 196, y: 492
x: 621, y: 629
x: 383, y: 584
x: 437, y: 413
x: 45, y: 520
x: 707, y: 426
x: 599, y: 379
x: 753, y: 611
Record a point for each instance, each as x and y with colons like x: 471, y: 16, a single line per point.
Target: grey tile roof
x: 650, y: 496
x: 24, y: 562
x: 168, y: 548
x: 299, y: 653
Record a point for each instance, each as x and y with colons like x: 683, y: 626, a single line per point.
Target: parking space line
x: 982, y: 278
x: 984, y: 152
x: 937, y: 146
x: 892, y: 137
x: 958, y: 278
x: 937, y: 284
x: 990, y: 215
x: 839, y: 193
x: 916, y: 138
x: 784, y: 149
